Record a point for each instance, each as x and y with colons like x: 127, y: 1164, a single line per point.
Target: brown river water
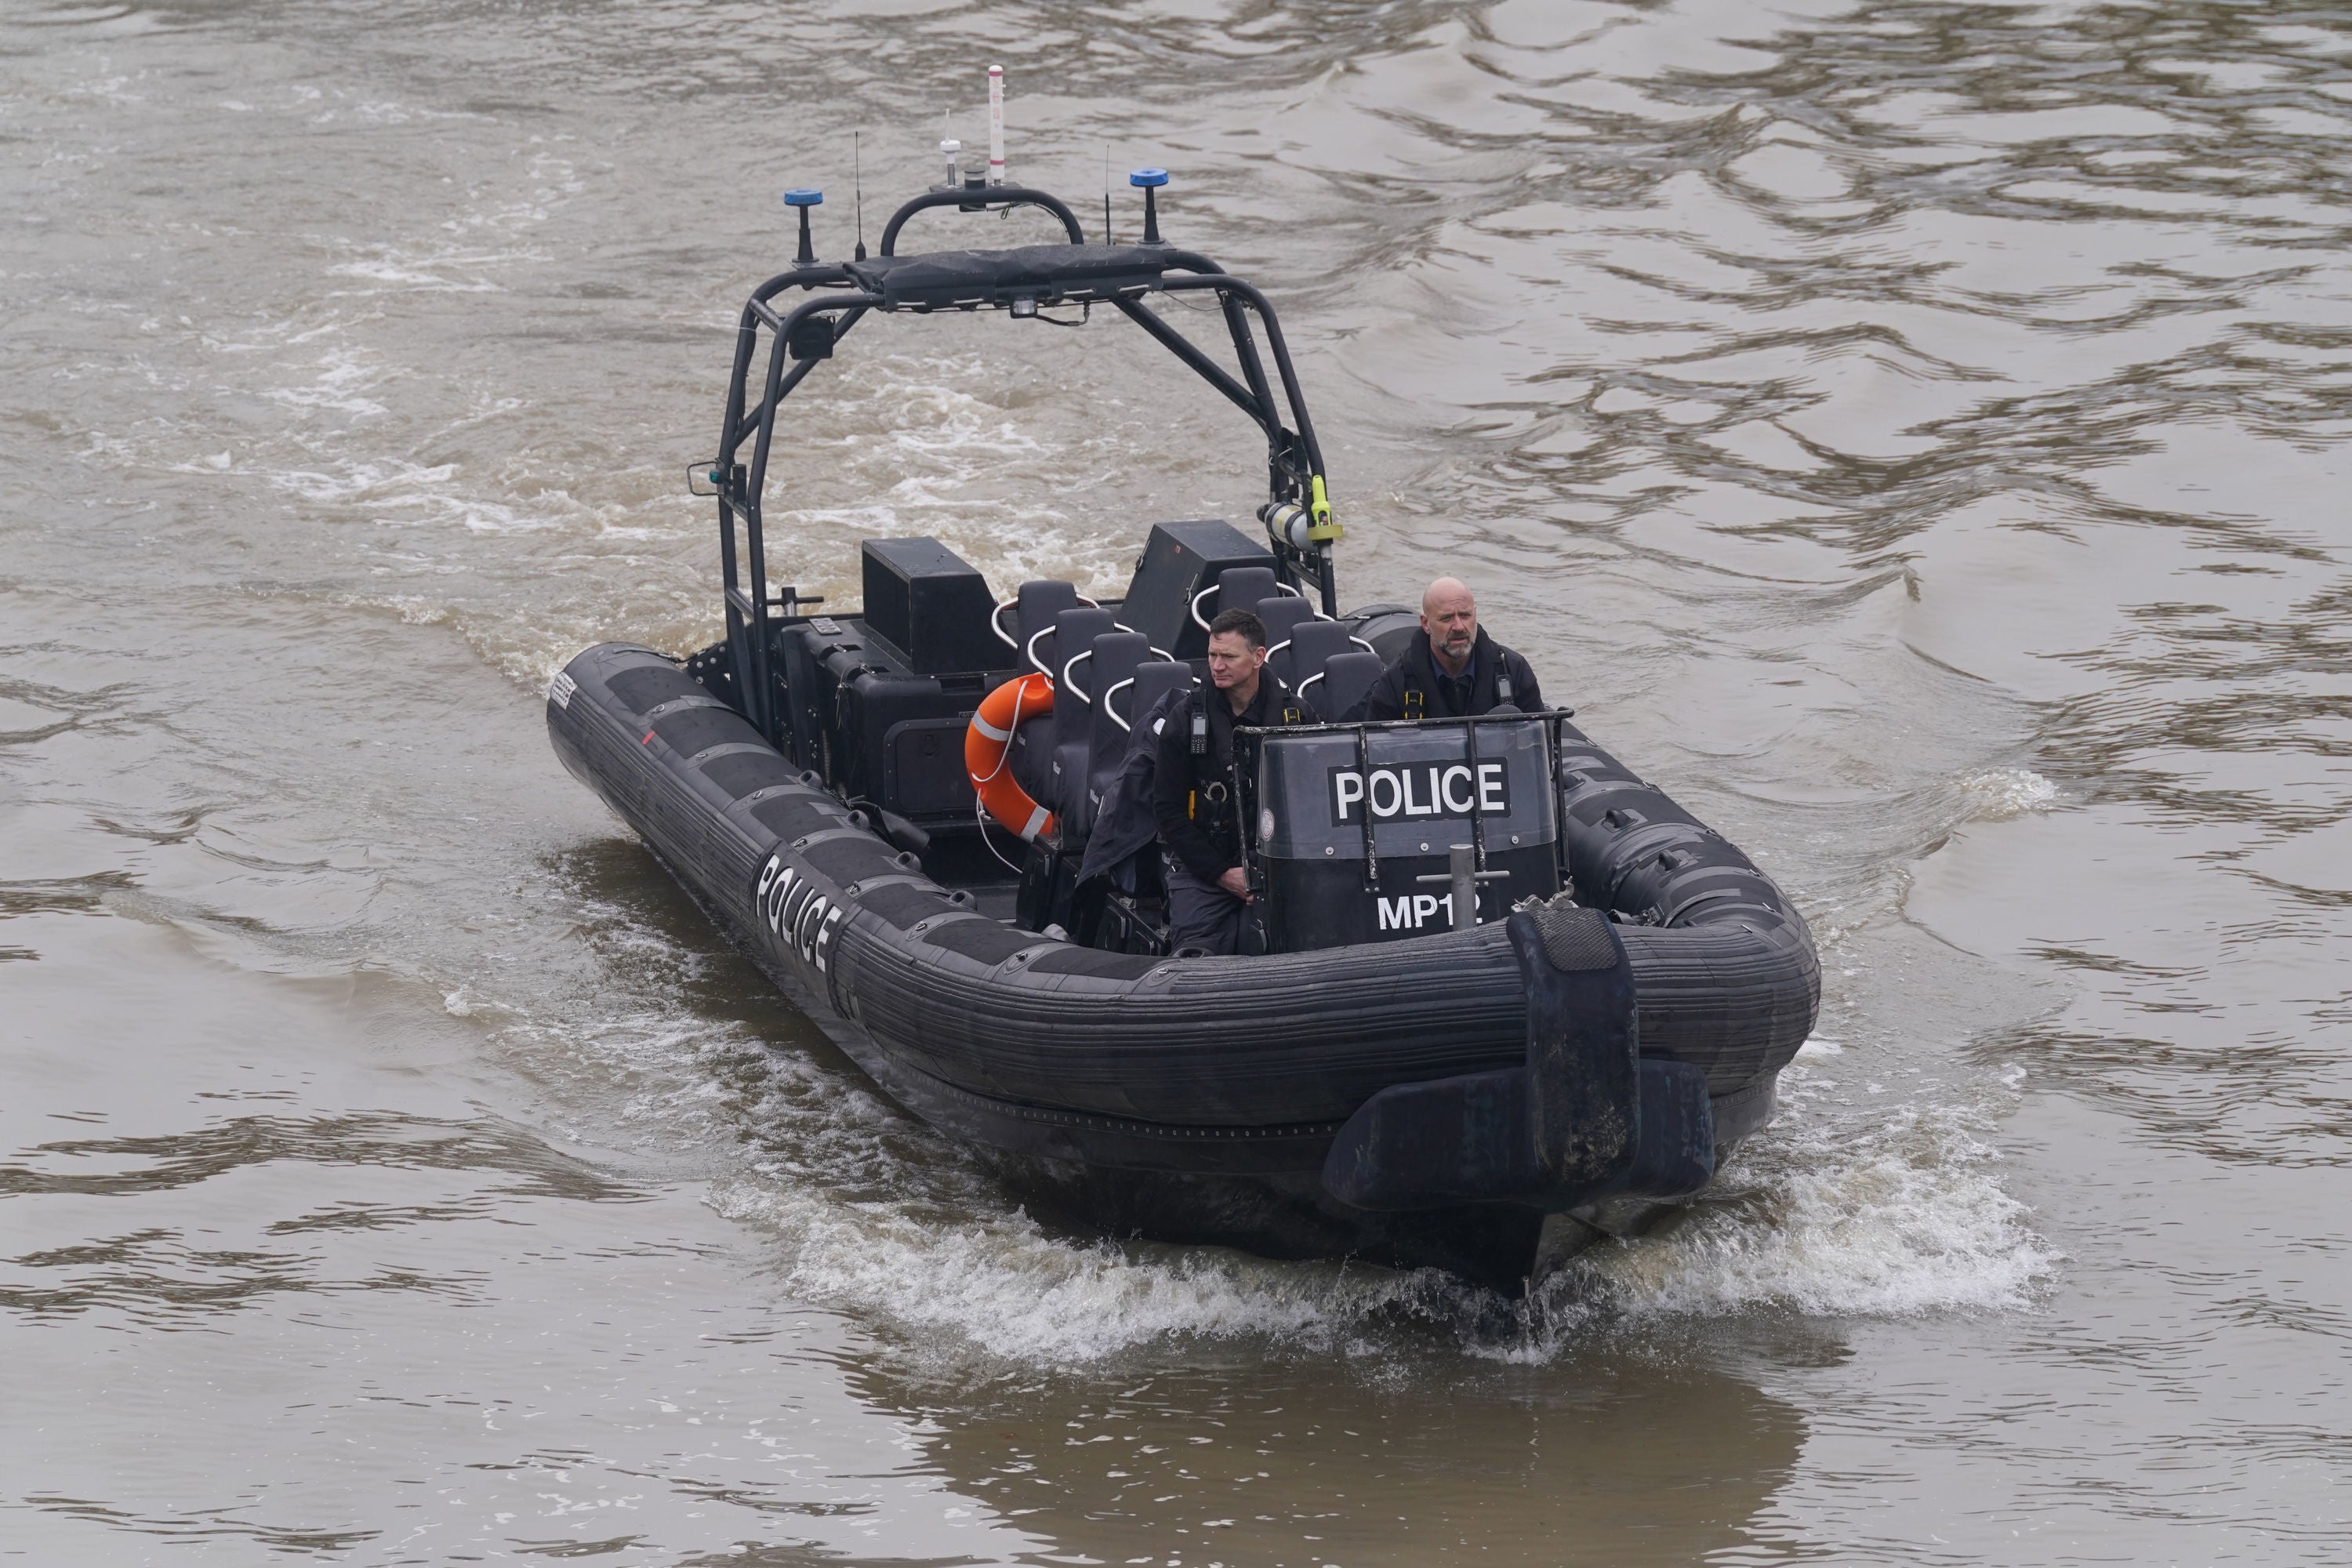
x: 1912, y: 433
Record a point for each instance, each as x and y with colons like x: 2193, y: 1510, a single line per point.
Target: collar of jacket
x: 1270, y: 693
x: 1480, y: 646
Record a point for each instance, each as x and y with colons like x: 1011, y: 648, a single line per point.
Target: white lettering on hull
x: 789, y: 906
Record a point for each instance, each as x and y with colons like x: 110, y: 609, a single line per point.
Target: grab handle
x: 1214, y: 587
x: 1162, y: 652
x: 1069, y: 682
x: 1196, y: 605
x: 1116, y: 687
x: 981, y: 198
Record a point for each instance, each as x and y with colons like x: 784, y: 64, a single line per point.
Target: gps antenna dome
x: 1150, y: 181
x: 804, y: 199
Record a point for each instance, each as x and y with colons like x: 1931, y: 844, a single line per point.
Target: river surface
x: 1913, y: 434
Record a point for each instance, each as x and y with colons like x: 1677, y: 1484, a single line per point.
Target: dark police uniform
x: 1417, y: 687
x: 1192, y: 797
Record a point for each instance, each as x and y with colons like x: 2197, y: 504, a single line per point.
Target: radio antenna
x: 1107, y: 193
x: 857, y: 186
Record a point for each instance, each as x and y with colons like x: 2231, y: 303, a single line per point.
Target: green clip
x: 1320, y: 529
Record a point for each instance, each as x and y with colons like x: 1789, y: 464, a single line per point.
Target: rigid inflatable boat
x: 1511, y: 998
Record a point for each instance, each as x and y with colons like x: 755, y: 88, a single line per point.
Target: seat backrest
x: 1313, y: 644
x: 1071, y: 801
x: 1348, y: 680
x: 1034, y: 607
x: 1152, y: 682
x: 1239, y: 588
x: 1118, y: 654
x: 1282, y: 615
x: 1074, y: 632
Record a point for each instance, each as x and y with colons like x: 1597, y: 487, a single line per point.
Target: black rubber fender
x: 1289, y: 1045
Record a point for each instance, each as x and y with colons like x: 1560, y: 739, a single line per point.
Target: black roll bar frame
x: 1294, y: 473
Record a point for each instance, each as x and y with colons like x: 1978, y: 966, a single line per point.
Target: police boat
x: 1511, y: 999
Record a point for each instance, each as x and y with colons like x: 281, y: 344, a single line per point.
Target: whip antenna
x: 857, y: 186
x: 1107, y: 193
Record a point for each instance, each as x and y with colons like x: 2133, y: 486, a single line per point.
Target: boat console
x: 1358, y: 826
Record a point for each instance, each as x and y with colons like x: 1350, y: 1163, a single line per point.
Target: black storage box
x: 1180, y: 559
x: 896, y: 739
x: 876, y: 729
x: 1312, y: 798
x: 930, y: 605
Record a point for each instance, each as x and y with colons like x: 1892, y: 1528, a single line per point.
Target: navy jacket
x: 1442, y: 696
x: 1192, y: 797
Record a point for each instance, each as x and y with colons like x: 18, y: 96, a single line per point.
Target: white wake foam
x: 1898, y: 1214
x: 1894, y: 1214
x: 2000, y: 793
x: 993, y: 1278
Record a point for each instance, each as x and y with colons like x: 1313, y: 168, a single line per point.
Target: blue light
x: 1147, y: 178
x: 803, y: 198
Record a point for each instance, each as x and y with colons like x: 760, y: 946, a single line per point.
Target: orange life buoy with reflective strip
x: 986, y: 743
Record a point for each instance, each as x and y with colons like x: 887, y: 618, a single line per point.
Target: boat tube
x: 1508, y: 998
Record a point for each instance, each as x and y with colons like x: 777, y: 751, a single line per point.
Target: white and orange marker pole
x: 996, y: 125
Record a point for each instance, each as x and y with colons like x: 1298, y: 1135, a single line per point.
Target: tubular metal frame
x: 1294, y: 456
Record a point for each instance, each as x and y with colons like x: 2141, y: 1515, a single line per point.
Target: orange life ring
x: 988, y: 741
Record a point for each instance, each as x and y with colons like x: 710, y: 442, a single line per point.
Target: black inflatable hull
x: 1214, y: 1101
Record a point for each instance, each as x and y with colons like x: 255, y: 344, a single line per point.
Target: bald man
x: 1454, y: 670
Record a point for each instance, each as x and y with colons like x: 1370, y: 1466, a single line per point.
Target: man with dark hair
x: 1454, y: 670
x: 1193, y: 791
